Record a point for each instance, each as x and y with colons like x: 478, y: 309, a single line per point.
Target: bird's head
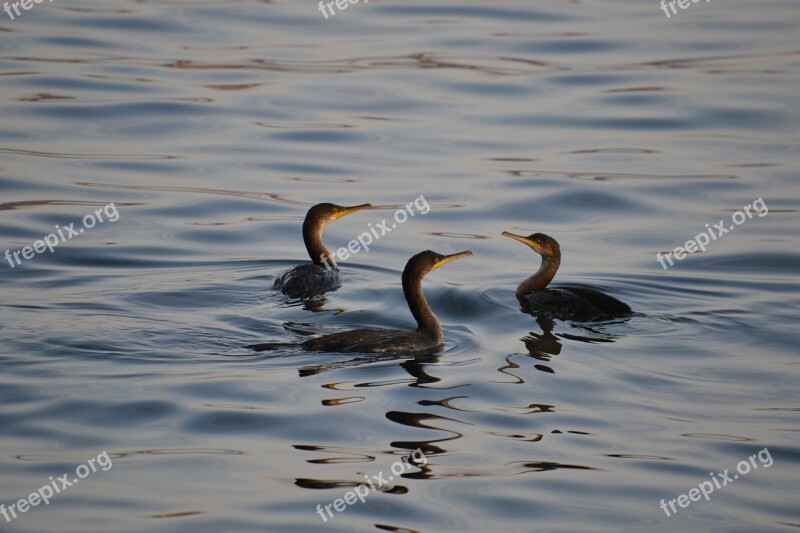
x: 542, y: 244
x: 428, y: 261
x: 326, y: 212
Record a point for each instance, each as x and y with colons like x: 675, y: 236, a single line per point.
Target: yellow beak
x: 522, y: 239
x: 448, y: 258
x: 347, y: 210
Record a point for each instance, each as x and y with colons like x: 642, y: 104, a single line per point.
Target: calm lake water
x: 213, y: 126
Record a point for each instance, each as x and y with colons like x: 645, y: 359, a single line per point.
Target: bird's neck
x: 426, y: 321
x: 541, y: 278
x: 312, y: 236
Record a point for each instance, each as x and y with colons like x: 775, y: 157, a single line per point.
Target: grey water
x: 213, y: 126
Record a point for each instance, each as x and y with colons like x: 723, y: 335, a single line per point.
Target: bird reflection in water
x: 543, y: 346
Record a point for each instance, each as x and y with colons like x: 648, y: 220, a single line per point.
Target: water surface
x: 213, y: 126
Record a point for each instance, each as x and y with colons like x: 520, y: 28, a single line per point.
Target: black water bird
x: 321, y: 274
x: 564, y: 303
x: 428, y: 338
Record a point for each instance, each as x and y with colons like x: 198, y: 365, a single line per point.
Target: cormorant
x: 426, y: 339
x: 565, y: 303
x: 322, y: 274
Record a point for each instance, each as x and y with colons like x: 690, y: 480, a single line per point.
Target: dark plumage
x: 566, y: 303
x: 375, y: 341
x: 308, y: 280
x: 321, y: 274
x: 426, y: 339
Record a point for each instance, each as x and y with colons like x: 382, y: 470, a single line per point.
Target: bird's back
x: 577, y: 303
x: 374, y: 341
x: 308, y: 280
